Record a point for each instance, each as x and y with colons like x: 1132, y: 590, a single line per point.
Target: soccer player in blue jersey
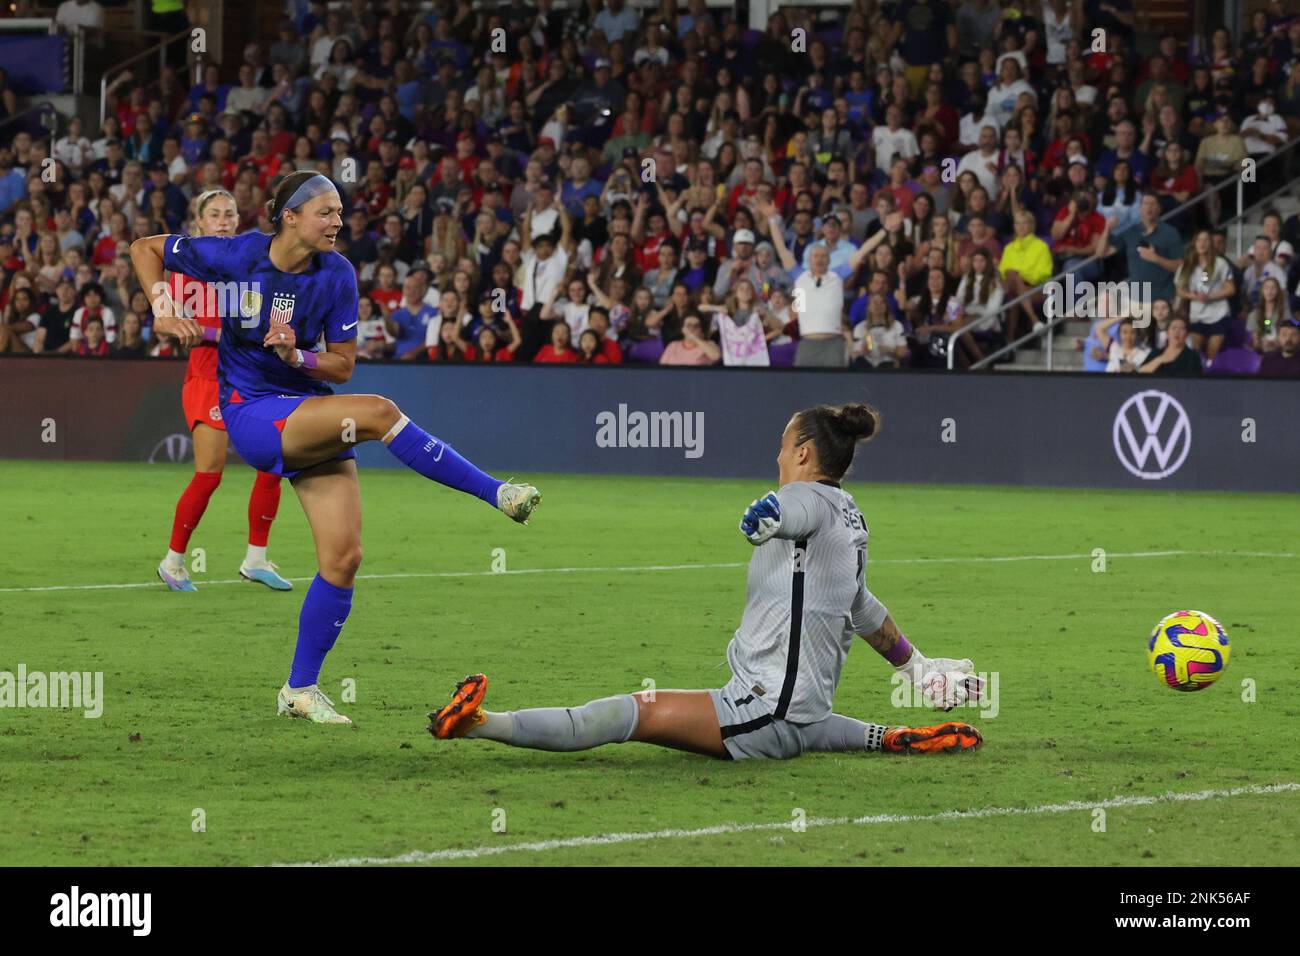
x: 286, y: 291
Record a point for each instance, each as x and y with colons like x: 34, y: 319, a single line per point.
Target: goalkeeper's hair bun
x: 859, y: 421
x: 835, y: 431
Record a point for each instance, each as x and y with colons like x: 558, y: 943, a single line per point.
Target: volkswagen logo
x: 1152, y: 435
x: 173, y: 448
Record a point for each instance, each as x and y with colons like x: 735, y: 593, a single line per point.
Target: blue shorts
x: 255, y: 425
x: 1211, y: 329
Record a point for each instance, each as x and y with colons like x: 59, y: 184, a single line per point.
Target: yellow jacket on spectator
x: 1029, y: 256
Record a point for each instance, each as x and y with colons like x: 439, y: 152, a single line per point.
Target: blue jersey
x: 253, y: 293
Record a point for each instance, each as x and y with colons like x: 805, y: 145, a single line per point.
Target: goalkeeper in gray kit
x: 806, y: 602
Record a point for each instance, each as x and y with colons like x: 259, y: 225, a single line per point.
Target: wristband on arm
x: 306, y: 360
x: 210, y: 334
x: 899, y: 654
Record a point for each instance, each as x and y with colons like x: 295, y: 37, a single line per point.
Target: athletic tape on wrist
x: 308, y: 359
x: 210, y: 334
x: 899, y: 654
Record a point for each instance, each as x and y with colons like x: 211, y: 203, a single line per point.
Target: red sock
x: 262, y: 505
x: 190, y: 508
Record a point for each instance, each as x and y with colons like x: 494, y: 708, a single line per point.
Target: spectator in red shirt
x: 979, y: 236
x: 937, y: 116
x: 1076, y: 234
x: 109, y: 245
x: 387, y: 293
x: 651, y: 235
x: 560, y: 350
x: 277, y: 126
x: 133, y: 106
x: 747, y: 188
x: 1015, y: 151
x: 1174, y: 180
x: 1057, y: 152
x: 449, y: 347
x: 898, y: 187
x: 376, y: 192
x: 488, y: 347
x: 262, y: 159
x: 447, y: 180
x: 93, y: 341
x: 466, y: 155
x: 220, y: 156
x: 487, y: 178
x: 598, y: 322
x: 590, y: 351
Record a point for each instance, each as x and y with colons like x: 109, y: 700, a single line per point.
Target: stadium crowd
x: 605, y: 185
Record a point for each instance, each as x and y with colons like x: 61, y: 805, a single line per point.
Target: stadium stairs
x: 1067, y: 341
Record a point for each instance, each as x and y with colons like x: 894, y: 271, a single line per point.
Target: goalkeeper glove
x: 944, y: 682
x: 762, y: 519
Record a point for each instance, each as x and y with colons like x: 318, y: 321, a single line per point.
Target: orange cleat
x: 462, y: 714
x: 941, y: 738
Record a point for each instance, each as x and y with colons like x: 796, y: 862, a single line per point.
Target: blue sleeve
x: 844, y: 271
x: 1173, y: 243
x: 201, y: 257
x: 858, y: 311
x: 894, y: 310
x: 341, y: 322
x: 796, y: 272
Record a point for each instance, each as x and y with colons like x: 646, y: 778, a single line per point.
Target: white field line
x: 640, y: 568
x: 612, y: 839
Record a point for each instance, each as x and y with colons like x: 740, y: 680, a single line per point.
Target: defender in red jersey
x: 215, y: 214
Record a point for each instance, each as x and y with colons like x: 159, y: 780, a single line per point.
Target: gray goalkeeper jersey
x: 806, y: 598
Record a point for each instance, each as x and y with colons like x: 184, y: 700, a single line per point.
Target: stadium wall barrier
x: 34, y: 63
x: 1063, y: 430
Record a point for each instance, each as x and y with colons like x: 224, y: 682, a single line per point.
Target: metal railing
x: 159, y: 48
x: 1047, y: 329
x: 75, y: 69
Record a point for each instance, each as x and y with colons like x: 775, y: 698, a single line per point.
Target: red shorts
x: 199, y: 398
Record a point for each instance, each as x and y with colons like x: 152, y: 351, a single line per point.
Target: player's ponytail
x: 835, y: 431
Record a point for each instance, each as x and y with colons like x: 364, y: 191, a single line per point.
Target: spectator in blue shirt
x: 212, y: 86
x: 13, y: 184
x: 617, y: 20
x: 409, y: 323
x: 1125, y: 149
x: 1153, y: 249
x: 579, y: 186
x: 879, y: 285
x: 841, y: 250
x: 446, y: 48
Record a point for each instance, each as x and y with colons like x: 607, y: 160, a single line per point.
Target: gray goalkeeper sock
x: 838, y: 734
x: 610, y: 720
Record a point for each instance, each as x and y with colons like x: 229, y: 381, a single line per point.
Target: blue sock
x: 435, y: 459
x: 324, y: 611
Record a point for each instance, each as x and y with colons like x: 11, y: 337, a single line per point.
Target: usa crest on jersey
x: 282, y: 308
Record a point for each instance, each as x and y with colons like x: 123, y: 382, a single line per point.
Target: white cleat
x: 518, y: 501
x: 310, y: 703
x: 265, y: 573
x: 176, y: 578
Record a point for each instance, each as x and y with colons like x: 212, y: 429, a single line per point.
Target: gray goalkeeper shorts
x: 750, y: 730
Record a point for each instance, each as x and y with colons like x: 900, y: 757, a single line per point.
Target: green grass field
x: 190, y: 680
